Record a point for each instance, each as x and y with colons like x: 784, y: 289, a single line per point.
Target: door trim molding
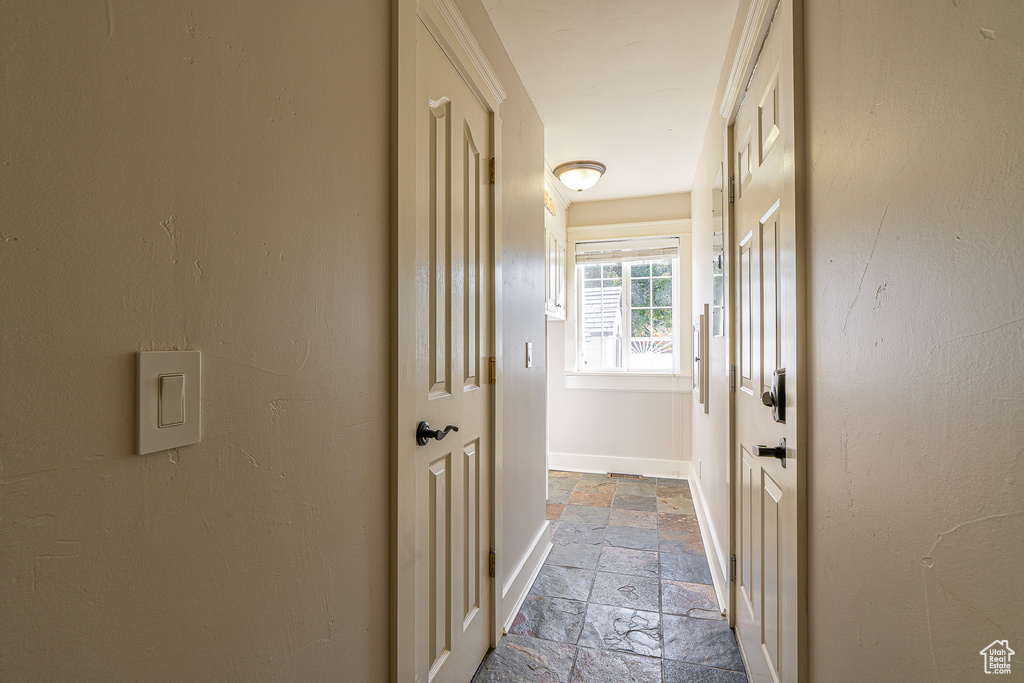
x: 755, y: 28
x: 446, y: 24
x: 729, y: 272
x: 759, y: 20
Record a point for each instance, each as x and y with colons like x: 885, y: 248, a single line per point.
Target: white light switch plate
x: 152, y: 365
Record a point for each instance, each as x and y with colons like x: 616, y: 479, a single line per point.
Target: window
x: 628, y: 302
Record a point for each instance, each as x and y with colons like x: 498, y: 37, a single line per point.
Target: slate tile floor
x: 625, y: 595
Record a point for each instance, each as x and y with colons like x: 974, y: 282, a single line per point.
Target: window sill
x: 660, y: 382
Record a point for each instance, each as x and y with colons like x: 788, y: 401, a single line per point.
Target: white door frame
x: 760, y: 15
x: 444, y: 22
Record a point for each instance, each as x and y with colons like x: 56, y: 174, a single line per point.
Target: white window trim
x: 659, y: 382
x: 626, y: 307
x: 679, y: 381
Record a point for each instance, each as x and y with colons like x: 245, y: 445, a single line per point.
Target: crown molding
x: 447, y: 25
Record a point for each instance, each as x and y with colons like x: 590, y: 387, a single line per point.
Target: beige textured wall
x: 215, y: 177
x: 628, y: 424
x: 195, y: 175
x: 590, y: 422
x: 554, y: 342
x: 915, y: 198
x: 522, y: 235
x: 916, y: 321
x: 710, y: 466
x: 661, y: 207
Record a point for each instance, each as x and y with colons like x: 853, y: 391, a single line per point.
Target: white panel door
x: 766, y: 489
x: 453, y: 295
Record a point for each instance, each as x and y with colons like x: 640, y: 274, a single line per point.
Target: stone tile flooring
x: 625, y: 595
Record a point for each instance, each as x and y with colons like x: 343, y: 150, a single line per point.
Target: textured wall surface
x: 646, y: 425
x: 213, y: 176
x: 916, y: 322
x: 522, y: 235
x: 914, y: 235
x: 710, y: 431
x: 194, y: 175
x: 659, y: 207
x: 711, y: 461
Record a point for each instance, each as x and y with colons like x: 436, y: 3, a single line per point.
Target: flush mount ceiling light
x: 580, y: 175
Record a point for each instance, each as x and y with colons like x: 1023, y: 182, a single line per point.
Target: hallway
x: 624, y: 596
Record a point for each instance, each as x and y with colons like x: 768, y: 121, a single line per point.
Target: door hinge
x: 732, y: 378
x: 494, y: 371
x: 490, y: 564
x: 732, y: 189
x: 732, y: 568
x: 492, y: 170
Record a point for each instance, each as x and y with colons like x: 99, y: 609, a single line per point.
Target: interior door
x: 766, y: 494
x: 453, y: 308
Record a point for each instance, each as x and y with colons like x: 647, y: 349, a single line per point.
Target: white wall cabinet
x: 554, y: 278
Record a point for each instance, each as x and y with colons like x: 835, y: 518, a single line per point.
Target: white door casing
x: 447, y: 312
x: 768, y: 495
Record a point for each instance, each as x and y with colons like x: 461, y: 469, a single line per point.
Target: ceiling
x: 626, y: 83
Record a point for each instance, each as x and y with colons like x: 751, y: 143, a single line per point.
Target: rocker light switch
x: 172, y: 400
x: 168, y: 399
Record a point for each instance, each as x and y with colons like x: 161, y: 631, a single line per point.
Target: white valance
x: 632, y: 250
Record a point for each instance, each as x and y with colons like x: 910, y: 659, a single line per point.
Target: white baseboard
x: 717, y: 560
x: 648, y: 467
x: 519, y: 584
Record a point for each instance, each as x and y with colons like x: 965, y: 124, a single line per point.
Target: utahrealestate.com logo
x: 997, y: 657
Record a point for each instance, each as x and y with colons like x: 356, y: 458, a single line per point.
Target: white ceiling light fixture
x: 580, y: 175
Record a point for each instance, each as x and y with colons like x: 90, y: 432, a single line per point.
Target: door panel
x: 440, y: 229
x: 769, y: 297
x: 771, y: 497
x: 453, y: 295
x: 440, y: 558
x: 471, y: 532
x: 767, y: 536
x: 473, y: 177
x: 750, y: 515
x: 768, y: 116
x: 746, y: 316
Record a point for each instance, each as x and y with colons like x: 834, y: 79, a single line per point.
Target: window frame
x: 625, y: 314
x: 640, y: 382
